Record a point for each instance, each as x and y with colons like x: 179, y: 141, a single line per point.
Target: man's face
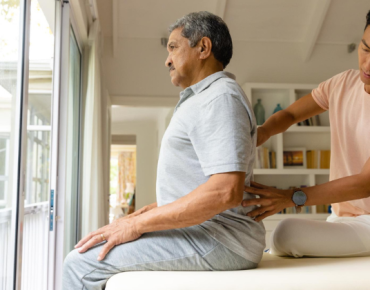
x: 182, y: 60
x: 364, y: 57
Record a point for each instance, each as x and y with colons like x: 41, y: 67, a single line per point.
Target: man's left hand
x: 120, y: 231
x: 271, y: 200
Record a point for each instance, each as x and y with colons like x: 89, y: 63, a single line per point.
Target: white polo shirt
x: 213, y: 130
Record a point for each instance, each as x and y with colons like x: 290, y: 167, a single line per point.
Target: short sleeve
x: 222, y: 138
x: 322, y: 93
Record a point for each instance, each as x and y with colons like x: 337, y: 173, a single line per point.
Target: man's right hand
x: 262, y: 135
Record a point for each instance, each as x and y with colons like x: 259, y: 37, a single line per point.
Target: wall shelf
x: 308, y: 137
x: 308, y: 129
x: 291, y: 171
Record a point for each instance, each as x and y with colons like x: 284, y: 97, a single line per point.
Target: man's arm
x: 142, y: 210
x: 221, y: 192
x: 274, y: 200
x: 304, y: 108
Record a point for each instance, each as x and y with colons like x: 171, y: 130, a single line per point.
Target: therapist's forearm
x: 198, y: 206
x: 339, y: 190
x: 300, y: 110
x: 278, y: 123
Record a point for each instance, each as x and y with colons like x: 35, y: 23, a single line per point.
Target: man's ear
x: 205, y: 48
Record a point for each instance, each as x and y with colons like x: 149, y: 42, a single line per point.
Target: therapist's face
x: 364, y: 58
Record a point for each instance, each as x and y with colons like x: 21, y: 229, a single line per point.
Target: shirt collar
x: 204, y: 83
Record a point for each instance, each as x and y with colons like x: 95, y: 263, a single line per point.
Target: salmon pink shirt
x: 348, y: 103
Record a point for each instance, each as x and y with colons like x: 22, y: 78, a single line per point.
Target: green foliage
x: 7, y: 8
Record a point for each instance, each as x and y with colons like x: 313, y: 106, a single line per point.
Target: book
x: 264, y: 158
x: 318, y: 159
x: 272, y: 159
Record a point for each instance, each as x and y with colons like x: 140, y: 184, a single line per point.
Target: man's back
x: 213, y: 130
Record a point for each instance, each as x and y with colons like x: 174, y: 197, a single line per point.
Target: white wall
x: 162, y: 123
x: 146, y: 158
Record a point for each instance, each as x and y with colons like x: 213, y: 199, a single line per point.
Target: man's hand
x: 271, y: 200
x: 118, y: 232
x: 141, y: 211
x: 262, y: 136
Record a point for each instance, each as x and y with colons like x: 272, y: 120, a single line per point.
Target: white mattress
x: 273, y: 273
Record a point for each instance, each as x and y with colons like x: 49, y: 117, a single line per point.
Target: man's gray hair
x: 197, y: 25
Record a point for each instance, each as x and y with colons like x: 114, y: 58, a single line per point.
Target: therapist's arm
x: 274, y: 200
x: 304, y: 108
x: 221, y: 192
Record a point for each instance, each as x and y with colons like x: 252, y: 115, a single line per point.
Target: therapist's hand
x: 120, y: 231
x: 271, y: 200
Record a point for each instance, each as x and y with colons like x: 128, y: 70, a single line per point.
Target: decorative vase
x: 278, y: 108
x: 259, y: 112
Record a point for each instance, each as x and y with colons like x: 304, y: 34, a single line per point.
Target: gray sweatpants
x: 187, y: 249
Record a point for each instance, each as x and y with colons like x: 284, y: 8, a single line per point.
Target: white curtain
x: 95, y: 205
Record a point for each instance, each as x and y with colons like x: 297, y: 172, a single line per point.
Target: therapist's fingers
x: 258, y: 185
x: 256, y: 201
x: 263, y: 216
x: 258, y: 211
x: 257, y: 191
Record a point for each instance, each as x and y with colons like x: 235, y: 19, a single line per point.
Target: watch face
x: 299, y: 197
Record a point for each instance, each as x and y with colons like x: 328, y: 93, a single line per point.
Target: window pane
x: 37, y: 167
x: 2, y: 192
x: 35, y: 235
x: 3, y: 151
x: 73, y: 142
x: 10, y: 39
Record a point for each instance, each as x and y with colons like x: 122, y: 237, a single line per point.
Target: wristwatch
x: 299, y: 198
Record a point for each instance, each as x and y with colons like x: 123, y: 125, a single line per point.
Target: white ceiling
x: 270, y: 41
x: 345, y: 21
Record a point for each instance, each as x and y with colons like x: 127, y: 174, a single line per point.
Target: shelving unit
x: 309, y: 137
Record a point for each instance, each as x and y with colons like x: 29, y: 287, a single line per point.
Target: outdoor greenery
x: 7, y: 8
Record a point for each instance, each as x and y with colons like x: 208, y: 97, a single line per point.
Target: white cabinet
x: 308, y: 137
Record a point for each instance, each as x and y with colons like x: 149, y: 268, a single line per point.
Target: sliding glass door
x: 13, y: 103
x: 73, y: 145
x: 65, y: 155
x: 37, y: 187
x: 40, y: 109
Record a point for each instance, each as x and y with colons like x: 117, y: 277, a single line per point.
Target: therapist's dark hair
x: 367, y: 19
x: 197, y: 25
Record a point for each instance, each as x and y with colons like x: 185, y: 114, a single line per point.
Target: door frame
x: 20, y: 141
x: 64, y: 23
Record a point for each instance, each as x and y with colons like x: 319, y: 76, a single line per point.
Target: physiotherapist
x: 347, y: 230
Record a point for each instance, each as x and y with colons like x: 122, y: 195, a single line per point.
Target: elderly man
x: 205, y: 161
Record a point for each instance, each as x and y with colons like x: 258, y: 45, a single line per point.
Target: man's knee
x: 72, y: 261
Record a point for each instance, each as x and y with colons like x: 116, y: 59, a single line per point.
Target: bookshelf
x: 307, y: 137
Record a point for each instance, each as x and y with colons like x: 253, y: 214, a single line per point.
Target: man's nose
x: 168, y: 62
